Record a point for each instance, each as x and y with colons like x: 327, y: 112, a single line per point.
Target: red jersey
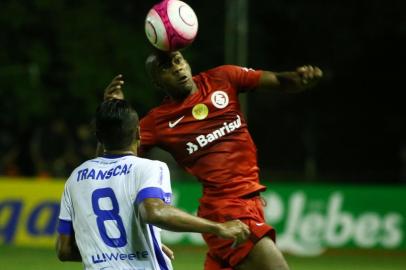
x: 207, y: 134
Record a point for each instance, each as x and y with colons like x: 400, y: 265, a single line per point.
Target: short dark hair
x: 152, y: 62
x: 156, y: 58
x: 116, y: 124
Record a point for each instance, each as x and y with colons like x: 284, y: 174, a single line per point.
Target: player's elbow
x: 63, y: 250
x: 62, y: 255
x: 154, y: 211
x: 154, y: 216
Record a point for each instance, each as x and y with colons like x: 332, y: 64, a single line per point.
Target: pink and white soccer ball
x: 171, y: 25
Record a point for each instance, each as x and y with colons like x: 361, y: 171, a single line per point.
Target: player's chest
x: 199, y: 113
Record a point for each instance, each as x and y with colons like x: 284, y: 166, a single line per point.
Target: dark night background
x: 57, y: 56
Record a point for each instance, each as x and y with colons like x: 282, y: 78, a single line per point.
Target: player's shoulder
x: 147, y: 163
x: 166, y: 104
x: 76, y: 171
x: 224, y: 69
x: 223, y: 73
x: 145, y: 166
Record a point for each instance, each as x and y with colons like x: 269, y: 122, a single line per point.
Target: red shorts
x: 250, y: 211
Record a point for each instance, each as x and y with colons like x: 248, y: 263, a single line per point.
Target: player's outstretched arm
x: 156, y: 212
x: 66, y: 248
x: 114, y: 89
x: 302, y: 78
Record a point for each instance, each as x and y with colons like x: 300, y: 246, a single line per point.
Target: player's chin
x: 184, y: 87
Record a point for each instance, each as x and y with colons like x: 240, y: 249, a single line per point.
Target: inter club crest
x: 219, y: 99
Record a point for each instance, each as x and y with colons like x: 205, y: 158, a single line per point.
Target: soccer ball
x: 171, y: 25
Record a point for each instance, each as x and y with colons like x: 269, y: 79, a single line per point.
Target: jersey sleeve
x: 148, y: 134
x: 154, y: 183
x: 65, y: 215
x: 241, y: 78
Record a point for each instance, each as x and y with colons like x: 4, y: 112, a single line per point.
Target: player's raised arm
x: 302, y: 78
x: 114, y: 89
x: 156, y: 212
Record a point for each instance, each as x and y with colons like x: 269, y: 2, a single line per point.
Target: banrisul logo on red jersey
x: 205, y: 139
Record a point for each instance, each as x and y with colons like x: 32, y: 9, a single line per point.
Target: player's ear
x: 137, y: 138
x: 157, y: 84
x: 138, y: 134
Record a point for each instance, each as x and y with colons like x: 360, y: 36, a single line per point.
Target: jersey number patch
x: 108, y: 215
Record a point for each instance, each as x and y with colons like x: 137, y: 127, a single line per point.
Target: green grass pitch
x: 189, y: 258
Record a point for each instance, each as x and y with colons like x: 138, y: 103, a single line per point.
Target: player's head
x: 170, y: 72
x: 117, y: 125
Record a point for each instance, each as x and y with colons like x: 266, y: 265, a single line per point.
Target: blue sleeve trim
x: 65, y: 227
x: 153, y: 192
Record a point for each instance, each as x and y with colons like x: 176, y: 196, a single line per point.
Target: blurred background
x: 57, y: 56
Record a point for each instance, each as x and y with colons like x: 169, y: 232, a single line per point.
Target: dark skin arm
x: 303, y: 78
x: 113, y: 91
x: 66, y: 248
x: 156, y: 212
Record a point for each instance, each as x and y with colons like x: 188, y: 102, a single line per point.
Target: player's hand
x: 114, y: 89
x: 309, y: 76
x: 236, y: 230
x: 168, y: 252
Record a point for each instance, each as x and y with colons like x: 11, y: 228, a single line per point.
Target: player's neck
x: 194, y: 88
x: 180, y: 96
x: 128, y: 151
x: 118, y: 153
x: 131, y: 150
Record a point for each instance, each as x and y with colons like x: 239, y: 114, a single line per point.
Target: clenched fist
x: 309, y: 75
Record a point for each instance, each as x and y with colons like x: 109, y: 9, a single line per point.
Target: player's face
x: 174, y: 75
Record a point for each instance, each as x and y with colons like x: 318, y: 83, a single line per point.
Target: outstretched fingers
x: 114, y: 89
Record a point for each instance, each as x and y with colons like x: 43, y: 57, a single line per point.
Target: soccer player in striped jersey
x: 113, y: 206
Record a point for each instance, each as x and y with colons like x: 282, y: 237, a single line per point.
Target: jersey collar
x: 112, y: 156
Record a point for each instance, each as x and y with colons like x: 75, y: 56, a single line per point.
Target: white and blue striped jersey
x: 100, y: 206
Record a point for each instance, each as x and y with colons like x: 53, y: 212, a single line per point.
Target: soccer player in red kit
x: 200, y: 123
